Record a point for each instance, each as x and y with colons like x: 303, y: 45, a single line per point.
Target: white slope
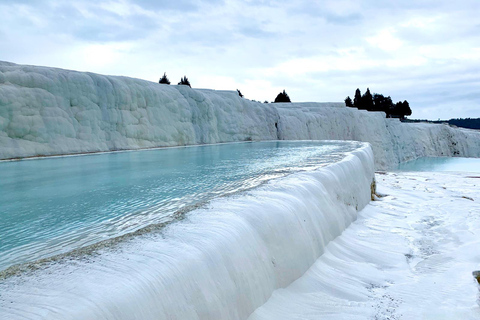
x: 48, y: 111
x: 408, y: 256
x: 220, y: 262
x: 392, y: 141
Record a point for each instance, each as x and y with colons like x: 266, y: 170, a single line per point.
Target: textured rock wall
x: 48, y: 111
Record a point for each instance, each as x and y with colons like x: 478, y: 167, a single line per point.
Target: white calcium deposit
x: 280, y: 251
x: 409, y: 255
x: 48, y: 111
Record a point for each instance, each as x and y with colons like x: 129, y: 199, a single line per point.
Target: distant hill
x: 469, y: 123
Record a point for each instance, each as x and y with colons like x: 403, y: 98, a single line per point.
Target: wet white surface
x: 220, y: 261
x: 409, y: 255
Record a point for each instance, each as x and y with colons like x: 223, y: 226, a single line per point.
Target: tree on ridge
x: 282, y: 97
x: 367, y: 100
x: 349, y: 102
x: 164, y: 79
x: 378, y: 102
x: 184, y: 81
x: 357, y: 99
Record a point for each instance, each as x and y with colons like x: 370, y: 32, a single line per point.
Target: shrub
x: 164, y: 79
x: 349, y: 102
x: 184, y: 82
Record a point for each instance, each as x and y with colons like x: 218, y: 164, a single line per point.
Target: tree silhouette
x: 349, y: 102
x: 378, y: 102
x: 406, y: 111
x: 367, y: 101
x: 402, y: 109
x: 381, y: 103
x: 184, y: 81
x: 357, y: 99
x: 164, y: 79
x: 282, y: 97
x: 239, y: 93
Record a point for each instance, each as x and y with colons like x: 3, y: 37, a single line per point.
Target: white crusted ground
x: 409, y: 255
x: 48, y: 111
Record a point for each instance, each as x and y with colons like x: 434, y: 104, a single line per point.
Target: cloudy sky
x: 427, y: 52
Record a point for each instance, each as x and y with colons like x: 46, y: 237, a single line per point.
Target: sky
x: 426, y: 52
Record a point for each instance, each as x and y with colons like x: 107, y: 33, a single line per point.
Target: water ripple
x: 54, y: 205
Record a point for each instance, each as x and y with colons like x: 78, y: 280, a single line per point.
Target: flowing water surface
x: 50, y: 206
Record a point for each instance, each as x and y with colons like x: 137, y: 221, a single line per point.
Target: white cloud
x: 472, y: 54
x: 102, y: 55
x: 319, y: 50
x: 385, y: 40
x: 422, y: 22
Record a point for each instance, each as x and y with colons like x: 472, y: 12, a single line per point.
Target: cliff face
x: 48, y: 111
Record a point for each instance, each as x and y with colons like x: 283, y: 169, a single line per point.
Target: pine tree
x: 184, y: 81
x: 367, y: 101
x: 378, y: 102
x: 282, y: 97
x: 164, y: 79
x: 357, y: 100
x: 349, y: 102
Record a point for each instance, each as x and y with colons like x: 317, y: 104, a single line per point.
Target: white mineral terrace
x: 277, y: 242
x: 221, y: 261
x: 48, y: 111
x: 409, y: 255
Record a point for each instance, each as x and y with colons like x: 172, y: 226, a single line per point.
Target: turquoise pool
x: 51, y: 206
x: 440, y: 164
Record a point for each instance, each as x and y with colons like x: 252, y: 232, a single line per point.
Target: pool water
x: 50, y: 206
x: 442, y: 164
